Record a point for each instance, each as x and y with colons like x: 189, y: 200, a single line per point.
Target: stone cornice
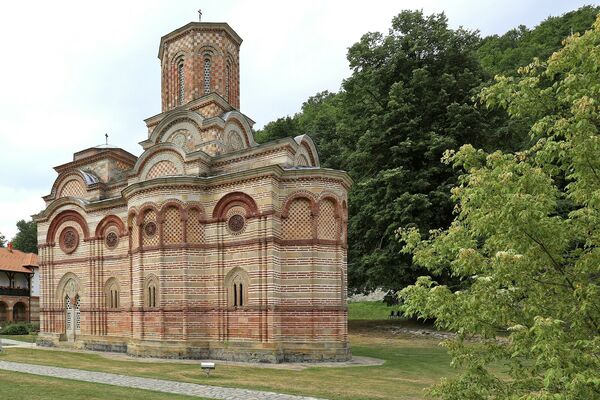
x: 194, y: 106
x: 198, y: 26
x: 235, y: 177
x: 87, y: 206
x: 115, y: 154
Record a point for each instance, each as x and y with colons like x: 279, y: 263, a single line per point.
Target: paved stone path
x: 159, y: 385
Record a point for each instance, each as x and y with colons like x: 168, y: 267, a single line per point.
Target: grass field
x: 369, y: 310
x: 23, y: 338
x: 16, y: 386
x: 412, y: 364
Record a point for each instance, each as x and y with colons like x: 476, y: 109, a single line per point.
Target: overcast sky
x: 73, y: 70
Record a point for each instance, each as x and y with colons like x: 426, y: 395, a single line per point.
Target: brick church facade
x: 208, y: 245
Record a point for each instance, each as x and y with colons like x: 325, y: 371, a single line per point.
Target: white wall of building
x: 35, y: 282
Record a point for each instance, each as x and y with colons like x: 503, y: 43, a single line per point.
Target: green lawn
x: 369, y: 310
x: 412, y: 364
x: 23, y: 338
x: 17, y: 386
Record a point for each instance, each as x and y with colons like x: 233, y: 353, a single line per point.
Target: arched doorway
x: 72, y: 316
x: 69, y: 289
x: 19, y: 312
x: 3, y: 312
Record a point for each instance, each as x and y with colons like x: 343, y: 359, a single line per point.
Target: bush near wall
x: 20, y: 328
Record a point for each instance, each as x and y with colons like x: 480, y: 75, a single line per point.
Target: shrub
x: 33, y: 327
x: 15, y: 329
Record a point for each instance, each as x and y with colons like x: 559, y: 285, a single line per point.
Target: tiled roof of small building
x: 17, y: 261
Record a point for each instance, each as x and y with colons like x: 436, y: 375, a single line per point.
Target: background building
x: 206, y: 246
x: 19, y: 286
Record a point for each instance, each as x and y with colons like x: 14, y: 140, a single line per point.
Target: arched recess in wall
x: 235, y: 199
x: 149, y: 222
x: 63, y: 217
x: 73, y: 183
x: 236, y: 121
x: 164, y: 159
x: 69, y: 284
x: 108, y: 222
x: 308, y: 148
x: 112, y: 293
x: 173, y: 219
x: 329, y: 218
x: 134, y: 229
x: 151, y: 291
x: 297, y: 217
x: 237, y: 283
x: 195, y: 223
x: 175, y: 121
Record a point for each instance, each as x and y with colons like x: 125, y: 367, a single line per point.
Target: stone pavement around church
x: 159, y: 385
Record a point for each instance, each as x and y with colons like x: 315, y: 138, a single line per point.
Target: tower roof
x: 199, y: 26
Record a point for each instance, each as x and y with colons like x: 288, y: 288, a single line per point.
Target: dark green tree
x: 278, y: 129
x: 409, y: 99
x: 26, y: 237
x: 2, y: 240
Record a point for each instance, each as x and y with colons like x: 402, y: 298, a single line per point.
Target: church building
x: 208, y: 245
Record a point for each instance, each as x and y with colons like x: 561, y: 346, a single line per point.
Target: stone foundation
x: 229, y: 351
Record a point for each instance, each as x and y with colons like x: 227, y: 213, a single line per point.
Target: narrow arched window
x: 152, y: 296
x: 237, y: 284
x: 228, y: 81
x: 180, y: 82
x: 207, y: 75
x: 112, y: 294
x: 151, y: 292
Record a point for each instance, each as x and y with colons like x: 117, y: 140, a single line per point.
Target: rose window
x: 112, y: 239
x: 150, y: 229
x: 69, y: 240
x: 236, y: 223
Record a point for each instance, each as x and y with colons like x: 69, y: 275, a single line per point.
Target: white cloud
x: 73, y: 70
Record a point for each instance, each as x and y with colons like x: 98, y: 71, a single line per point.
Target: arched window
x: 151, y: 292
x: 228, y: 81
x: 237, y: 282
x: 207, y: 63
x: 112, y: 293
x: 180, y: 82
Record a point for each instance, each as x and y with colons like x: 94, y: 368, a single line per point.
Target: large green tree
x: 26, y: 237
x: 410, y: 97
x: 526, y: 238
x: 2, y: 240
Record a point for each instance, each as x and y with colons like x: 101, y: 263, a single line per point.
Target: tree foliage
x: 409, y: 98
x: 526, y: 238
x: 26, y: 237
x: 518, y: 47
x: 2, y: 240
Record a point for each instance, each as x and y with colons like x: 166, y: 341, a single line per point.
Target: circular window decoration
x: 236, y: 223
x: 150, y: 229
x: 112, y: 240
x: 69, y: 240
